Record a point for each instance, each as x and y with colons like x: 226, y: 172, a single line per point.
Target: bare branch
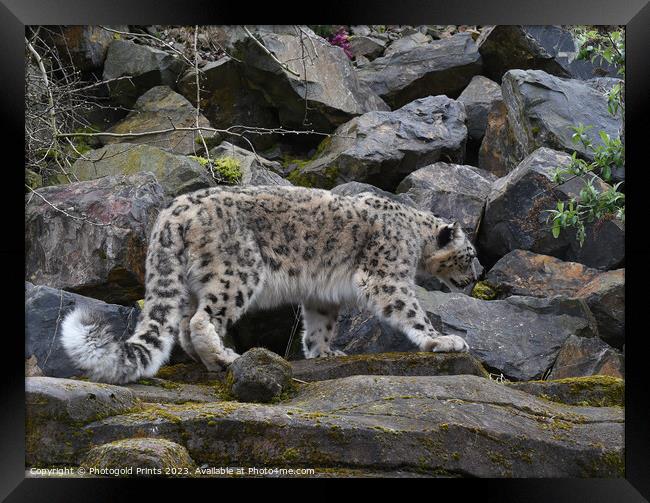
x: 283, y: 65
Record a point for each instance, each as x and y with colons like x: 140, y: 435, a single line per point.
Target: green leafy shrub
x: 591, y: 204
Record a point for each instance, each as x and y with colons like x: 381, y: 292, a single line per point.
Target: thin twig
x: 283, y: 65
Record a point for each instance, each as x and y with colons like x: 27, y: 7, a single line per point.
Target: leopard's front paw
x: 448, y: 344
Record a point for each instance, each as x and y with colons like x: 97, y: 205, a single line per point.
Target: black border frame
x: 635, y: 14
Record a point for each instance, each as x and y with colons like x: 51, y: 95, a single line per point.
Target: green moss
x: 484, y: 291
x: 33, y: 179
x: 226, y: 169
x: 290, y: 454
x: 298, y: 178
x: 593, y: 391
x: 322, y: 146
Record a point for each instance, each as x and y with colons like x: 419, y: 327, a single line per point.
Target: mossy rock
x: 398, y: 364
x: 259, y: 375
x: 594, y: 391
x: 141, y: 457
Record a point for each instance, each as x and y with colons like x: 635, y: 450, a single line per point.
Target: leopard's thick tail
x: 102, y: 353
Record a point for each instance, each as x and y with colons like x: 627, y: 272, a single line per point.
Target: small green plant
x: 593, y: 204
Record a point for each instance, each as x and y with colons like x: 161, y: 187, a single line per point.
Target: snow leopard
x: 216, y: 253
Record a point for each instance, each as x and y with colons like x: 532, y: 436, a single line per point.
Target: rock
x: 228, y: 99
x: 581, y: 356
x: 380, y: 148
x: 516, y: 217
x: 57, y: 408
x: 519, y: 336
x: 178, y: 174
x: 408, y: 43
x: 140, y: 457
x: 157, y: 109
x: 548, y: 48
x: 356, y: 188
x: 440, y: 67
x: 100, y: 252
x: 188, y: 373
x: 147, y: 66
x: 156, y: 390
x: 259, y: 376
x: 444, y: 425
x: 369, y: 47
x: 507, y: 47
x: 499, y: 152
x: 360, y: 30
x: 478, y: 98
x: 595, y: 391
x: 605, y: 296
x: 255, y: 169
x: 401, y: 364
x: 543, y: 108
x: 524, y: 273
x: 312, y: 73
x: 85, y: 46
x: 45, y: 309
x: 451, y: 191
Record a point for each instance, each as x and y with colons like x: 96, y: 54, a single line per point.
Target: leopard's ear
x: 445, y: 236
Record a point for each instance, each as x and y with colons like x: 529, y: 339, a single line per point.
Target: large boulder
x: 228, y: 100
x: 440, y: 67
x: 255, y: 169
x: 57, y: 408
x: 478, y: 98
x: 146, y: 66
x: 582, y: 356
x: 84, y: 46
x: 381, y: 148
x: 516, y: 216
x: 548, y: 48
x: 177, y: 174
x: 451, y: 191
x: 525, y: 273
x: 91, y: 237
x: 444, y: 425
x: 499, y: 153
x: 519, y: 336
x: 542, y: 109
x: 158, y: 109
x: 310, y: 82
x: 45, y: 309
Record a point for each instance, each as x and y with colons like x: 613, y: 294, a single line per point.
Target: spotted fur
x: 216, y: 253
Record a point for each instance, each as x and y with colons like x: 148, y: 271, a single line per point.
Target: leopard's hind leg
x: 319, y: 323
x: 224, y: 292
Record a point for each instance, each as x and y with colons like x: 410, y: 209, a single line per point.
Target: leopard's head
x: 451, y: 257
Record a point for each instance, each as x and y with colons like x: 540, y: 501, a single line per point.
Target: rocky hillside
x: 470, y: 123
